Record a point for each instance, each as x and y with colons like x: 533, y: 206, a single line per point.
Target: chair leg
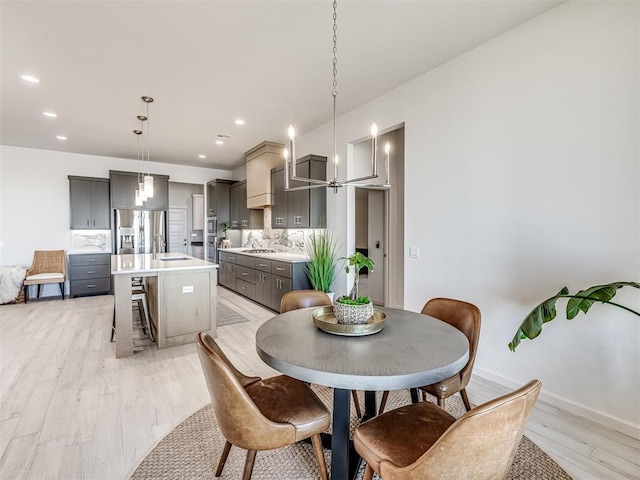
x: 356, y: 403
x: 368, y: 473
x: 62, y: 289
x: 317, y: 447
x: 383, y: 402
x: 145, y: 307
x: 441, y: 403
x: 26, y: 294
x: 113, y: 324
x: 465, y: 399
x: 248, y: 464
x: 223, y: 458
x: 39, y: 286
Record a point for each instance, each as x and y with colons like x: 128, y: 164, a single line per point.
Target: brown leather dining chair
x: 297, y: 299
x: 466, y: 318
x: 422, y: 441
x: 257, y: 414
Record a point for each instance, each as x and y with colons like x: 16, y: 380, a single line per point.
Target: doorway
x: 379, y: 221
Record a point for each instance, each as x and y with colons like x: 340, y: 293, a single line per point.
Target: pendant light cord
x: 335, y: 84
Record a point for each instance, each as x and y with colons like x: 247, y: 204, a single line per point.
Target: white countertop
x: 146, y: 263
x: 280, y: 256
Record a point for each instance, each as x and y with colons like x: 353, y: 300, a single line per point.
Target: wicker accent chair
x: 48, y: 266
x: 421, y: 441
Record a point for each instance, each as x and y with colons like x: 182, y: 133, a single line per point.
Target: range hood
x: 260, y: 160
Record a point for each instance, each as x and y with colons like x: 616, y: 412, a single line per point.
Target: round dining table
x: 411, y: 350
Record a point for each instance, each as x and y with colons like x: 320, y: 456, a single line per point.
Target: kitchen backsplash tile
x: 90, y: 241
x: 281, y: 240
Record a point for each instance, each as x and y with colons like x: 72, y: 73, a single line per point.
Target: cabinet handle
x: 245, y: 223
x: 245, y: 274
x: 90, y: 260
x: 262, y: 264
x: 280, y: 269
x: 91, y: 271
x: 87, y: 222
x: 91, y: 286
x: 94, y: 223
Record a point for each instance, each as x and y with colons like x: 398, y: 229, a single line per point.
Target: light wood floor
x: 70, y: 410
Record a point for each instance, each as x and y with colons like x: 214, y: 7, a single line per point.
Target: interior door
x: 376, y: 246
x: 178, y: 230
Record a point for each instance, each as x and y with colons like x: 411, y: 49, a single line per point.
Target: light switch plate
x: 187, y: 289
x: 414, y: 252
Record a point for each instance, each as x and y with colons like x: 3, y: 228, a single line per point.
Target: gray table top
x: 411, y: 350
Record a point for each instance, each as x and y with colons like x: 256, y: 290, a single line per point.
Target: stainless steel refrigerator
x: 136, y: 231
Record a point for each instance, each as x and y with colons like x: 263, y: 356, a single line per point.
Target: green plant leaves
x: 531, y: 326
x: 599, y: 293
x: 323, y: 258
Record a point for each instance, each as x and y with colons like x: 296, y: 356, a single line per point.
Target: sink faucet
x: 162, y: 244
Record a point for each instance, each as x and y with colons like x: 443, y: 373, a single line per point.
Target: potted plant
x: 224, y: 241
x: 323, y: 260
x: 544, y: 312
x: 353, y: 308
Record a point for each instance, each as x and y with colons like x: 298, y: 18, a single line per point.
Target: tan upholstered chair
x: 466, y: 318
x: 297, y: 299
x: 257, y: 414
x: 48, y: 267
x: 422, y: 441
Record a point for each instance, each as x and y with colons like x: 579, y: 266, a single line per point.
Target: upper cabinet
x: 89, y: 201
x: 240, y: 215
x: 301, y: 208
x: 124, y: 185
x: 197, y: 211
x: 260, y: 160
x: 218, y: 200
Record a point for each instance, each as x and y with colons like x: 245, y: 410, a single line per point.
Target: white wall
x: 522, y: 176
x: 34, y: 195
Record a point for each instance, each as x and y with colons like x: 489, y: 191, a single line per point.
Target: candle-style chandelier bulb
x: 291, y: 132
x: 374, y: 130
x: 387, y: 147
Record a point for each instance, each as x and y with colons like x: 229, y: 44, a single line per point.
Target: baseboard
x: 602, y: 418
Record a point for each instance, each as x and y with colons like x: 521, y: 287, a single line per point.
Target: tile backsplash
x: 281, y: 240
x: 90, y: 241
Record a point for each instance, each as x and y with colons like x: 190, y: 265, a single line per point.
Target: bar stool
x: 139, y: 296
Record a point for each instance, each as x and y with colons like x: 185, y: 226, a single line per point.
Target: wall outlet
x: 414, y: 252
x: 187, y: 289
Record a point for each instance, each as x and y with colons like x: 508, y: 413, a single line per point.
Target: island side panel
x: 124, y: 318
x: 185, y: 306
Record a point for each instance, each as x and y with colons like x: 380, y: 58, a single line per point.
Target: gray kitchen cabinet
x: 218, y: 200
x: 89, y: 274
x: 89, y: 203
x: 241, y: 216
x: 301, y: 208
x: 124, y: 185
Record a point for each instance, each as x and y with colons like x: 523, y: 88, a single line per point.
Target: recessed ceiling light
x: 239, y: 122
x: 61, y: 137
x: 50, y: 114
x: 30, y: 78
x: 202, y: 156
x: 219, y: 142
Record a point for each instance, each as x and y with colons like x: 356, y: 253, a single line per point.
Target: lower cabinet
x: 262, y: 280
x: 89, y: 274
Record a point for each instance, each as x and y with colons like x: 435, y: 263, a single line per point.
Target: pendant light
x: 137, y: 196
x: 148, y: 179
x: 290, y: 172
x: 140, y: 178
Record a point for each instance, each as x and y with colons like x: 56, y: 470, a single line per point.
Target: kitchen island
x: 181, y: 294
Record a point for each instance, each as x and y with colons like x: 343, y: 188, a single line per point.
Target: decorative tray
x: 325, y: 319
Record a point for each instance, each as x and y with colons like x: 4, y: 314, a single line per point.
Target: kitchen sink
x: 170, y: 259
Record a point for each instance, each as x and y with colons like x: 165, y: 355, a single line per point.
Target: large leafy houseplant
x: 544, y: 312
x: 323, y: 260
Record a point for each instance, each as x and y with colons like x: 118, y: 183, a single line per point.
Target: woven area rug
x: 193, y: 448
x: 226, y: 316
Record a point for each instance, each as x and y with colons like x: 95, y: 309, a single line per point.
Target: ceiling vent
x: 223, y: 136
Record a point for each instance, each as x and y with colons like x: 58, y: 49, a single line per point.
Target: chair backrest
x: 302, y: 299
x: 47, y: 261
x: 240, y: 420
x: 466, y: 318
x: 481, y: 444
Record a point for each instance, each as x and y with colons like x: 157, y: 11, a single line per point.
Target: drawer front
x: 222, y: 256
x: 246, y: 261
x: 281, y: 268
x: 90, y: 271
x: 246, y: 274
x: 245, y: 288
x: 89, y: 259
x: 263, y: 265
x: 231, y: 257
x: 98, y: 285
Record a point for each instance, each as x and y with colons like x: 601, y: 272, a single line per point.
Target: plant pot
x: 353, y: 314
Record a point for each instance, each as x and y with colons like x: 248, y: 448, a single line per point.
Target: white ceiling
x: 207, y: 63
